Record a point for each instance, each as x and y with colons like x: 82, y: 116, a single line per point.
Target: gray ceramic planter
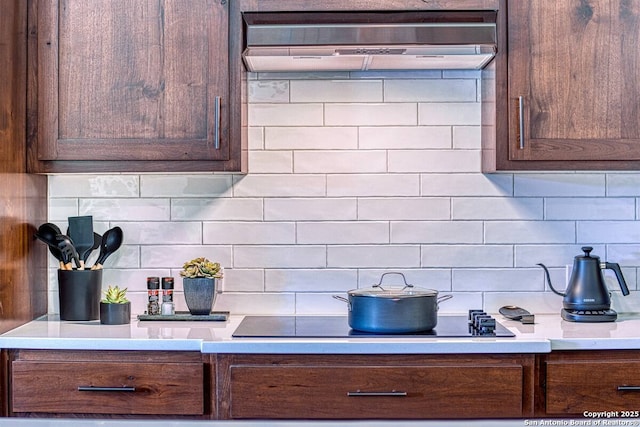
x: 200, y: 294
x: 115, y: 314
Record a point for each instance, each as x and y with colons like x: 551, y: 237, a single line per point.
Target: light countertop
x: 549, y: 333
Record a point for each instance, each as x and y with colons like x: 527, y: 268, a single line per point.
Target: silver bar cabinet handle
x: 392, y: 393
x: 216, y: 129
x: 629, y: 388
x: 521, y: 120
x: 93, y: 388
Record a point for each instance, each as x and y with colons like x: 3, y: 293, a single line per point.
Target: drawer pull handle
x: 392, y: 393
x: 216, y: 129
x: 629, y: 388
x: 93, y: 388
x: 521, y: 120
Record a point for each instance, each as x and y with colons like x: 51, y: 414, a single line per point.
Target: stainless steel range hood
x: 339, y: 41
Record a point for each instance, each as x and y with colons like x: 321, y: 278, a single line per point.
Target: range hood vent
x: 340, y: 41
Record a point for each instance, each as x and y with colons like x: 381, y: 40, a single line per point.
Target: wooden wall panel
x: 23, y: 202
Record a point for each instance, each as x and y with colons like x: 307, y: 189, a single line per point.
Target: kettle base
x: 589, y: 316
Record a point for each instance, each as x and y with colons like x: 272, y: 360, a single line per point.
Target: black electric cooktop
x: 338, y: 327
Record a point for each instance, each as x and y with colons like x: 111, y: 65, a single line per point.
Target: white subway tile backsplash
x: 434, y: 161
x: 243, y: 280
x: 94, y: 186
x: 449, y: 113
x: 324, y: 304
x: 467, y: 137
x: 61, y: 209
x: 373, y: 256
x: 608, y: 231
x: 491, y: 208
x: 306, y: 138
x: 217, y: 209
x: 345, y: 232
x: 623, y: 254
x: 459, y: 256
x: 126, y: 209
x: 271, y: 161
x: 623, y: 184
x: 279, y: 186
x: 404, y: 137
x: 530, y: 232
x: 286, y: 114
x: 559, y: 185
x: 239, y: 233
x: 336, y: 91
x: 551, y: 255
x: 402, y: 208
x: 466, y: 185
x: 185, y: 185
x: 256, y: 303
x: 284, y: 256
x: 585, y: 208
x: 340, y: 161
x: 174, y: 256
x: 159, y: 233
x: 443, y: 90
x: 436, y: 232
x: 373, y: 185
x: 352, y: 175
x: 398, y: 114
x: 310, y: 209
x: 128, y: 256
x: 255, y: 138
x: 316, y: 280
x: 500, y: 280
x: 274, y: 91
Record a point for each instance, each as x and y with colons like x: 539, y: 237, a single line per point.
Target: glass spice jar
x: 167, y: 296
x: 153, y: 294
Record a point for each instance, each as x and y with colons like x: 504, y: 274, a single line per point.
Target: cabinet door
x: 574, y: 81
x: 124, y: 81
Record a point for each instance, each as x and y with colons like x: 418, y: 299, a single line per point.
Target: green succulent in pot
x: 115, y: 308
x: 201, y: 267
x: 199, y: 277
x: 115, y: 295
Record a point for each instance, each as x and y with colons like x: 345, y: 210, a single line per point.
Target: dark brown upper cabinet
x: 131, y: 86
x: 573, y: 84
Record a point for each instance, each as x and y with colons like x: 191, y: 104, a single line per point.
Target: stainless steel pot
x: 393, y: 310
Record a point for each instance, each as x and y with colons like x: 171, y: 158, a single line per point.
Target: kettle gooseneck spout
x: 548, y: 277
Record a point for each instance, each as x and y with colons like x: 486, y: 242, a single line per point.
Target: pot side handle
x: 442, y: 298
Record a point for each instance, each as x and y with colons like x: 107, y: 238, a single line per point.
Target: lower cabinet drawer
x: 107, y: 388
x: 376, y: 391
x: 573, y: 387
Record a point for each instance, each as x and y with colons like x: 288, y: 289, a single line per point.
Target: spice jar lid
x: 153, y: 282
x: 167, y: 283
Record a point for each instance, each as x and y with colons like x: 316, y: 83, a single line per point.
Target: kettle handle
x: 616, y: 269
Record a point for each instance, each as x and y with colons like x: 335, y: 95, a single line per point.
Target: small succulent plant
x: 115, y: 295
x: 201, y: 267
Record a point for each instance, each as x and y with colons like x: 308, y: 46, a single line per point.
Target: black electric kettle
x: 587, y: 298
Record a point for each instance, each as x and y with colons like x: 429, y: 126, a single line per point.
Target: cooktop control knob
x: 481, y: 323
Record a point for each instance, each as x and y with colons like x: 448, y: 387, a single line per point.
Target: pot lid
x: 407, y: 291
